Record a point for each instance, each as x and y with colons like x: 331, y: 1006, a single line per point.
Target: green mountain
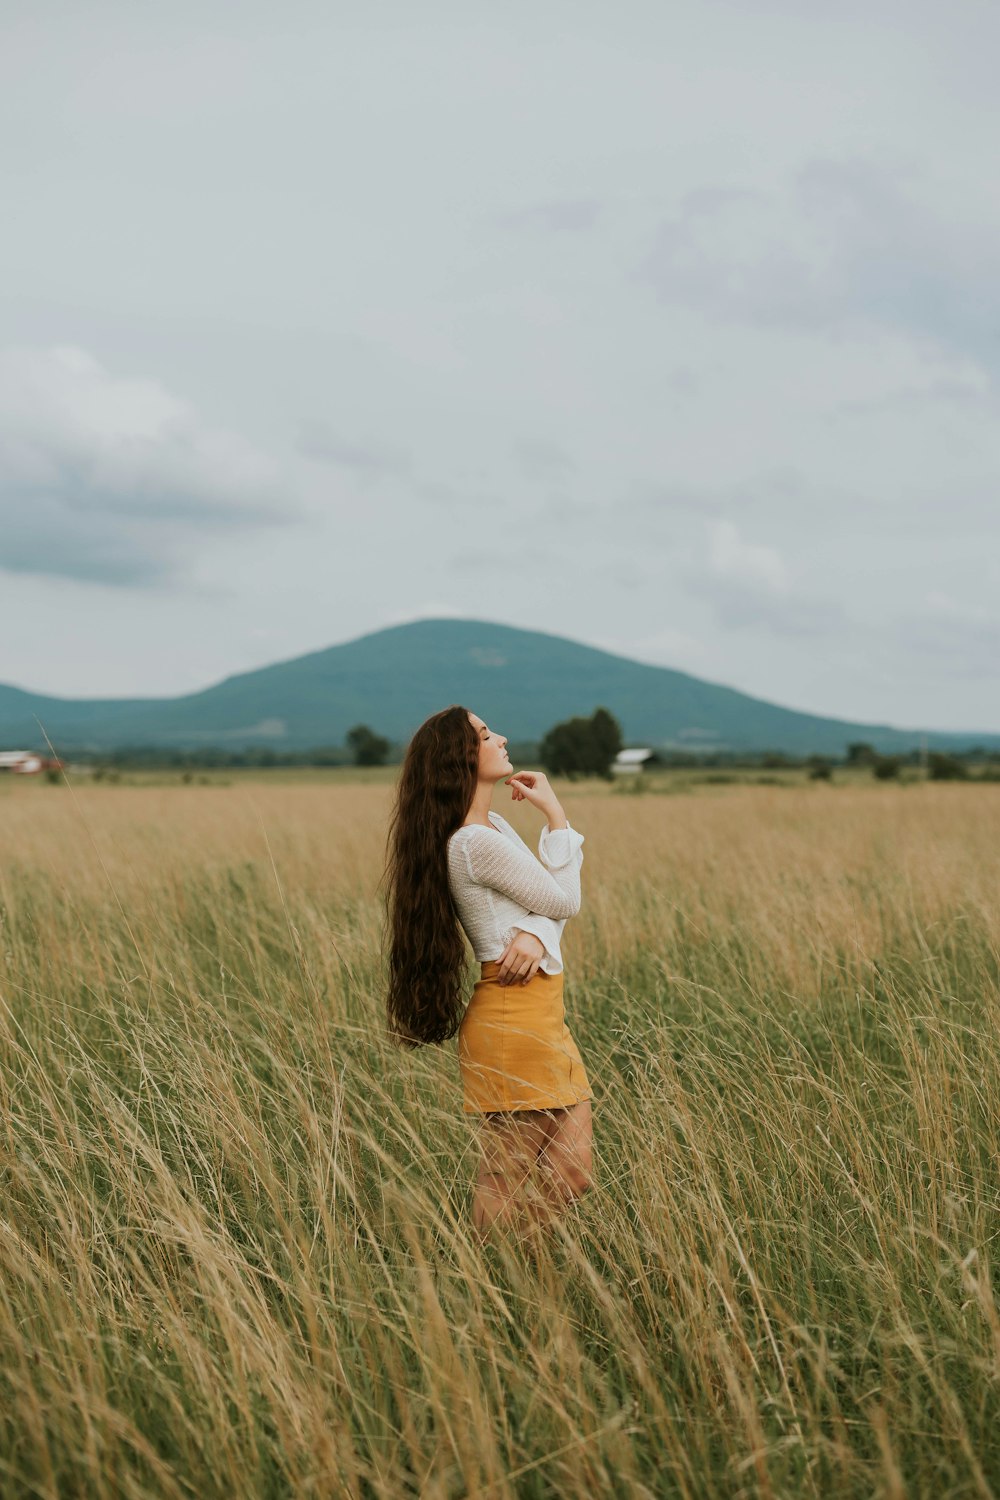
x: 519, y: 681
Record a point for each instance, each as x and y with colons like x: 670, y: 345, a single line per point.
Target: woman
x: 453, y: 865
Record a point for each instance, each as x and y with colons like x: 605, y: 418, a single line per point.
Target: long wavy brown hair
x: 427, y: 955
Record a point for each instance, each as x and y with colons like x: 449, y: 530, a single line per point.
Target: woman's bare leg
x: 511, y: 1143
x: 566, y: 1159
x: 515, y: 1146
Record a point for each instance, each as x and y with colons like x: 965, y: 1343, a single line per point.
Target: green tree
x: 886, y: 767
x: 582, y: 747
x: 941, y: 767
x: 606, y: 739
x: 561, y: 749
x: 861, y: 754
x: 368, y: 748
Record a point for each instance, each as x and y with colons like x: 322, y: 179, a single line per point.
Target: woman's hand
x: 533, y: 787
x: 520, y: 958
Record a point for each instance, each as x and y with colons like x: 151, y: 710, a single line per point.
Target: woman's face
x: 494, y: 762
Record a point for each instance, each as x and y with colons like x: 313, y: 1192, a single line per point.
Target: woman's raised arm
x: 494, y: 860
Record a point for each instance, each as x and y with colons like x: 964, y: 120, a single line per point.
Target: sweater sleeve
x: 545, y: 930
x: 557, y: 846
x: 496, y: 861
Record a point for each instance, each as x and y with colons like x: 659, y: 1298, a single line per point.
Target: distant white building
x: 630, y: 762
x: 25, y: 762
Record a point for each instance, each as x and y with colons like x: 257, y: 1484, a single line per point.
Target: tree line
x: 589, y: 746
x: 576, y: 747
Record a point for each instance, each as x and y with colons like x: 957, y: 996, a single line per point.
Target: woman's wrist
x: 556, y: 818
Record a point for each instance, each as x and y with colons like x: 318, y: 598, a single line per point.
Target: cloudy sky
x: 670, y: 327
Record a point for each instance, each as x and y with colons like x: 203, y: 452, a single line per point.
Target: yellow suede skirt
x: 515, y: 1050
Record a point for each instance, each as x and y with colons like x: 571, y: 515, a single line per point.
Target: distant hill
x: 520, y: 681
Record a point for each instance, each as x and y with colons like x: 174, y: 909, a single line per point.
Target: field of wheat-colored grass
x: 235, y: 1249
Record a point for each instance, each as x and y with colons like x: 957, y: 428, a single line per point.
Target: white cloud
x: 750, y: 564
x: 748, y: 585
x: 842, y: 244
x: 110, y: 478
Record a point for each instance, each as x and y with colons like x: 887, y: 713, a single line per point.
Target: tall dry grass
x: 235, y: 1249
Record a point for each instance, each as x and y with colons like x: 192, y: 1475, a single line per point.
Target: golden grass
x: 235, y: 1248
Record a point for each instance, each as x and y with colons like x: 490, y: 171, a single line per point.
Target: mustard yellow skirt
x: 515, y: 1050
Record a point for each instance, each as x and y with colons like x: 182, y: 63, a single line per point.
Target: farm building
x: 631, y: 762
x: 27, y: 762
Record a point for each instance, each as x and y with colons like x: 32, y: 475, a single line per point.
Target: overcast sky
x: 673, y: 328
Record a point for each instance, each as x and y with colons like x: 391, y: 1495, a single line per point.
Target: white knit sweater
x: 500, y: 888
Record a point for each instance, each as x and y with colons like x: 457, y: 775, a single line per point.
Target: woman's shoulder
x: 496, y: 825
x: 465, y: 830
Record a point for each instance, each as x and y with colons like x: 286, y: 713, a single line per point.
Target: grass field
x: 235, y: 1255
